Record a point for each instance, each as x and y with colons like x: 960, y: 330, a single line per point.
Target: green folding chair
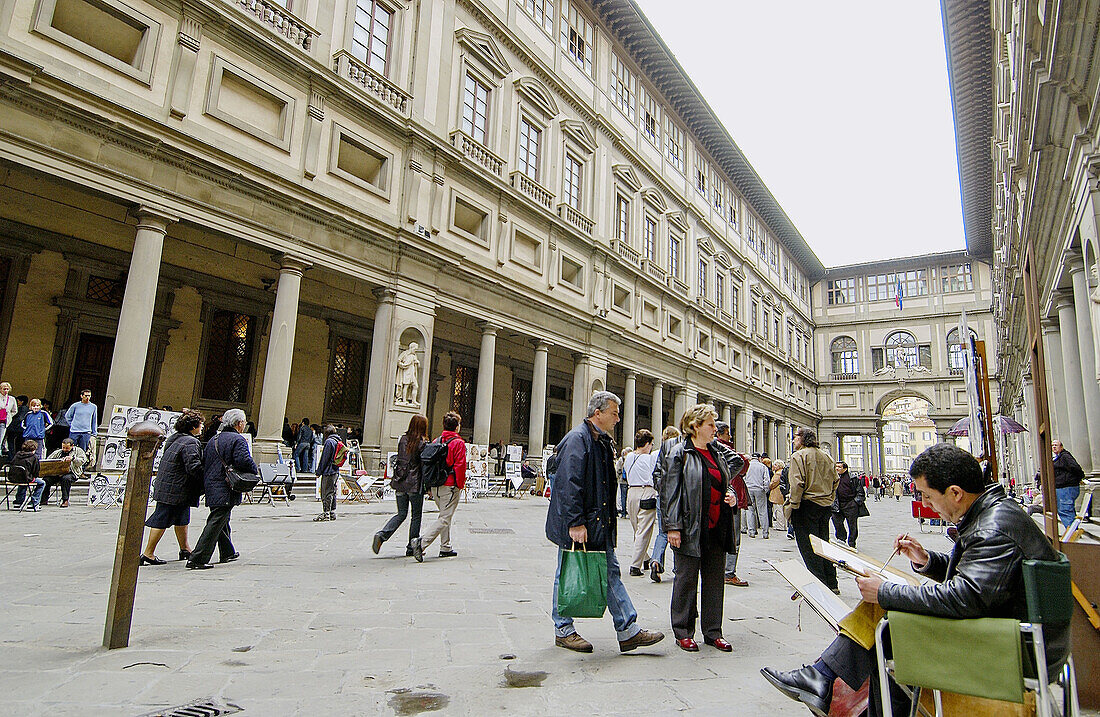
x: 994, y: 658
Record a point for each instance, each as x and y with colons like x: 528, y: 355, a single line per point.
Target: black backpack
x: 434, y: 470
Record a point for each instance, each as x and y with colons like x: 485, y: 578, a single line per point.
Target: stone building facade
x: 358, y: 210
x: 874, y: 350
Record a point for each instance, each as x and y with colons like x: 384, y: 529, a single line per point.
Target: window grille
x: 577, y: 36
x: 347, y: 376
x: 541, y: 11
x: 521, y: 406
x: 462, y: 397
x: 102, y: 290
x: 228, y: 368
x: 571, y: 184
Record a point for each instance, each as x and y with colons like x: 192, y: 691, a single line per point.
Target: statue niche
x: 407, y: 389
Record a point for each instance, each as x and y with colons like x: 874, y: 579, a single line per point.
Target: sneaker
x: 332, y: 515
x: 573, y: 642
x: 644, y: 638
x: 321, y: 518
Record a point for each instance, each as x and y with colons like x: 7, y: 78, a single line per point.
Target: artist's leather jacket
x: 983, y: 574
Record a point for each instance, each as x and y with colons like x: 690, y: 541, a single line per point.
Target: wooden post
x: 143, y: 440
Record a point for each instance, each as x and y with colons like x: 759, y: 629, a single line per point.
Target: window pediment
x: 580, y: 133
x: 705, y: 245
x: 625, y: 174
x: 485, y: 49
x: 679, y: 220
x: 723, y: 259
x: 654, y: 198
x: 538, y: 95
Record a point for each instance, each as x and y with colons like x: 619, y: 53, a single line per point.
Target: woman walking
x: 406, y: 483
x: 228, y: 448
x: 178, y: 487
x: 776, y: 496
x: 696, y: 501
x: 660, y: 543
x: 641, y: 498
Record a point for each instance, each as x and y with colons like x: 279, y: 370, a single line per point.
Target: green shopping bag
x: 582, y: 585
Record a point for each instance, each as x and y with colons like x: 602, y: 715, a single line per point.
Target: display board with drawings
x: 477, y: 470
x: 115, y: 457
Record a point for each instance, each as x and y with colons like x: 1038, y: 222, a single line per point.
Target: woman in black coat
x: 696, y: 502
x: 406, y: 483
x: 226, y: 448
x: 177, y: 487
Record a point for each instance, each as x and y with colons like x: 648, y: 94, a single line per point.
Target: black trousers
x: 65, y: 481
x: 404, y: 502
x: 328, y: 493
x: 711, y: 569
x: 849, y: 516
x: 853, y: 664
x: 813, y: 519
x: 216, y: 533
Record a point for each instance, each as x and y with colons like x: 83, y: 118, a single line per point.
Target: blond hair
x: 696, y: 416
x: 778, y: 465
x: 670, y: 432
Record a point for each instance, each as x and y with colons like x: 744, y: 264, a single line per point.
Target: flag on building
x: 897, y: 296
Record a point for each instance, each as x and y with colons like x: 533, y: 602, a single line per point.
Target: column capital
x: 1075, y: 264
x: 384, y: 294
x: 631, y: 375
x: 541, y: 344
x: 1050, y: 325
x: 291, y: 263
x: 153, y: 218
x: 1063, y: 299
x: 488, y: 328
x: 658, y: 383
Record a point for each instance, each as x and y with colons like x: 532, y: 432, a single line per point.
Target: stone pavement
x: 309, y: 621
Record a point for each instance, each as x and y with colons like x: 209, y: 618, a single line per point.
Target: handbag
x: 647, y: 504
x: 582, y: 583
x: 239, y: 481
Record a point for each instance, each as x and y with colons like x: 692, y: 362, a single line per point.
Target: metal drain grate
x: 493, y: 531
x: 206, y: 707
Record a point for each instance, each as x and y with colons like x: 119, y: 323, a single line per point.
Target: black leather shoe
x: 151, y: 561
x: 408, y: 552
x: 447, y: 554
x: 807, y: 686
x: 198, y: 566
x: 377, y: 544
x: 230, y: 558
x: 634, y: 572
x: 185, y: 555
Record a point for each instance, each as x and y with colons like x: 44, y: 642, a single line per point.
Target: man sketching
x: 982, y: 576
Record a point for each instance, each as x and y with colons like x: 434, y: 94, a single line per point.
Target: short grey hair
x: 600, y: 401
x: 232, y: 417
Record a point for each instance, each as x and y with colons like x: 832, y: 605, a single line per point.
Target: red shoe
x: 719, y: 643
x: 688, y: 645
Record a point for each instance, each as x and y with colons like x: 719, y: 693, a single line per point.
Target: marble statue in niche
x: 407, y: 391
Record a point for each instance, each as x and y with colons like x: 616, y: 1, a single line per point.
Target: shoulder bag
x: 239, y: 481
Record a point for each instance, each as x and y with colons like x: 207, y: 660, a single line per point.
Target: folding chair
x: 986, y: 657
x: 356, y: 494
x: 17, y: 477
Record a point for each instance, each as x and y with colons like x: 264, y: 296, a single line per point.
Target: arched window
x: 956, y: 350
x: 845, y: 355
x: 901, y: 349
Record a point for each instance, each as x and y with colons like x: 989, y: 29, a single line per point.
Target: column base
x: 266, y: 450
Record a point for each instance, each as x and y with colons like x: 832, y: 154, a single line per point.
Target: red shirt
x: 714, y: 505
x: 456, y: 458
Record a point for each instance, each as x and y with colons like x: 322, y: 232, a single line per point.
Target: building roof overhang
x: 968, y: 37
x: 638, y: 36
x: 901, y: 263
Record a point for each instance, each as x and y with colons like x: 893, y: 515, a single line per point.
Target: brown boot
x: 644, y: 638
x: 573, y: 642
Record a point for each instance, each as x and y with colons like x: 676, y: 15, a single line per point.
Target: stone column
x: 483, y: 406
x: 680, y: 405
x: 781, y: 445
x: 280, y: 351
x: 135, y: 318
x: 536, y: 427
x: 727, y: 417
x: 746, y: 420
x: 865, y: 444
x: 1081, y: 304
x: 881, y: 452
x: 760, y: 445
x: 629, y: 410
x: 1078, y: 443
x: 658, y: 408
x: 580, y: 388
x: 378, y: 377
x: 1056, y: 382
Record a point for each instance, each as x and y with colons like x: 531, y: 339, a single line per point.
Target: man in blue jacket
x: 582, y: 511
x: 83, y: 418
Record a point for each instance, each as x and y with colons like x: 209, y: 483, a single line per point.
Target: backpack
x: 340, y: 456
x: 434, y: 470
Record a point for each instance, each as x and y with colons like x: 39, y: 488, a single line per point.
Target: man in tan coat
x: 810, y: 503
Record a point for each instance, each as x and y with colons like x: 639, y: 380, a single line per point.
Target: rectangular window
x: 650, y: 113
x: 228, y: 366
x: 622, y: 219
x: 649, y: 238
x: 530, y: 138
x: 347, y: 377
x: 775, y: 330
x: 718, y: 192
x: 701, y: 172
x: 674, y: 255
x: 675, y: 145
x: 577, y: 36
x: 914, y: 283
x: 735, y: 300
x: 841, y: 291
x: 957, y: 278
x: 542, y: 12
x: 623, y: 87
x: 880, y: 287
x: 463, y: 394
x: 370, y: 36
x: 702, y: 278
x: 755, y: 317
x: 475, y: 109
x: 731, y: 207
x: 571, y: 183
x: 720, y: 290
x: 521, y: 405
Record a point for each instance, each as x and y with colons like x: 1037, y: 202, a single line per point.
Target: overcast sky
x: 842, y: 107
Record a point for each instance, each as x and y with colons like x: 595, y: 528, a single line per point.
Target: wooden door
x: 91, y: 367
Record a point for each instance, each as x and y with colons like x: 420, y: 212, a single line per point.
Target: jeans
x: 328, y: 493
x: 622, y: 498
x: 81, y: 440
x: 813, y: 519
x: 404, y: 500
x: 216, y: 533
x: 623, y: 614
x: 731, y: 558
x: 41, y: 443
x: 1067, y: 499
x: 303, y: 457
x: 660, y: 543
x: 36, y: 496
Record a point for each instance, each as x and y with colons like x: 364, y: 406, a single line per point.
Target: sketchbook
x: 859, y: 564
x: 823, y: 601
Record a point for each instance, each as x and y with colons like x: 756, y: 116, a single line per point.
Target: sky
x: 843, y: 109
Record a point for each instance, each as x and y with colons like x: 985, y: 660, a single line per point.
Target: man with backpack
x: 443, y: 472
x: 333, y: 455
